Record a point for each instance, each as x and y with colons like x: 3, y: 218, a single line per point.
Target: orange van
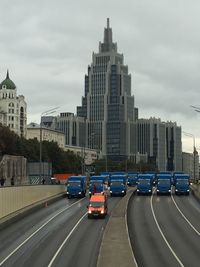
x: 97, y: 206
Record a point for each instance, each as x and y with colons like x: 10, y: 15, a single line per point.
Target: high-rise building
x: 107, y: 105
x: 161, y: 141
x: 12, y: 107
x: 72, y: 126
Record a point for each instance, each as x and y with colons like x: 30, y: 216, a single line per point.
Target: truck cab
x: 118, y: 185
x: 76, y: 186
x: 164, y: 183
x: 97, y: 184
x: 182, y: 184
x: 145, y: 184
x: 97, y: 207
x: 132, y: 179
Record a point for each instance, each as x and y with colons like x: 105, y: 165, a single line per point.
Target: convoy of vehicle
x: 115, y: 184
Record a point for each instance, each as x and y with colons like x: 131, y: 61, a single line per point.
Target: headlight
x: 79, y: 193
x: 122, y: 191
x: 90, y: 211
x: 102, y: 211
x: 176, y: 190
x: 138, y: 190
x: 188, y: 190
x: 169, y: 190
x: 67, y: 193
x: 89, y: 192
x: 149, y: 190
x: 110, y: 191
x: 158, y: 190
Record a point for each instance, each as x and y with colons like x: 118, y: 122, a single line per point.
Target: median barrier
x: 115, y: 248
x: 195, y: 189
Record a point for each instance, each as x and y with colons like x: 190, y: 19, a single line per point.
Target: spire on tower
x: 108, y: 22
x: 7, y: 75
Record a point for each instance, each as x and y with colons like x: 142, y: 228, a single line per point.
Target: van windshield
x: 96, y: 204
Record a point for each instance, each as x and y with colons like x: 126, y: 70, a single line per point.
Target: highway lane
x: 160, y: 235
x: 88, y: 235
x: 82, y: 246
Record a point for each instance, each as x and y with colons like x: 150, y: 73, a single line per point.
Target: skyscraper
x: 107, y: 104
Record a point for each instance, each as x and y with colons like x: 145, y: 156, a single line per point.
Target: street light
x: 194, y: 149
x: 47, y: 112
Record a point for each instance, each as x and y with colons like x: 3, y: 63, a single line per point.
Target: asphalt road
x: 58, y: 235
x: 165, y: 230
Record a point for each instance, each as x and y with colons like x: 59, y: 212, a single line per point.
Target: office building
x: 107, y: 104
x: 161, y: 141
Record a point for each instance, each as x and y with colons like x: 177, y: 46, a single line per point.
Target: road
x: 165, y: 230
x: 57, y: 235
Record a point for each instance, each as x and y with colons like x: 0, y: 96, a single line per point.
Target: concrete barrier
x: 16, y: 198
x: 115, y: 248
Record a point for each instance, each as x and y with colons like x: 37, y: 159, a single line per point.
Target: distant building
x: 191, y: 166
x: 73, y: 127
x: 89, y: 155
x: 13, y: 108
x: 161, y: 141
x: 47, y: 134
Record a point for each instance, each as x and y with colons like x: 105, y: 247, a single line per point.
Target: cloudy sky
x: 48, y: 44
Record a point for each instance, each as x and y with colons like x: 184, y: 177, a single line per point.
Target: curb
x: 115, y: 247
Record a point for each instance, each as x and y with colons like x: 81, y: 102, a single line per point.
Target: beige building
x: 90, y: 155
x: 47, y: 134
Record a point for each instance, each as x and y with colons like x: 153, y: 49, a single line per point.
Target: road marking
x: 34, y: 233
x: 196, y: 231
x: 63, y: 243
x: 163, y: 236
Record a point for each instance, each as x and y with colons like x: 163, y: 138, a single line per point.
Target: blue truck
x: 97, y: 184
x: 145, y: 184
x: 76, y: 186
x: 118, y: 185
x: 182, y: 184
x: 164, y: 183
x: 132, y: 178
x: 174, y: 176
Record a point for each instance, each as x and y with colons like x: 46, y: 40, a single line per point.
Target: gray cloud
x: 47, y: 45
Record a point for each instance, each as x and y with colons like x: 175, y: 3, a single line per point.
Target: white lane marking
x: 63, y: 243
x: 163, y: 236
x: 4, y: 260
x: 196, y: 231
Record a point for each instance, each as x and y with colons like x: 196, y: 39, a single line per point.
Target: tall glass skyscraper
x: 107, y: 104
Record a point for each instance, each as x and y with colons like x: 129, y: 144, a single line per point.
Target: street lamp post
x: 194, y: 150
x: 47, y: 112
